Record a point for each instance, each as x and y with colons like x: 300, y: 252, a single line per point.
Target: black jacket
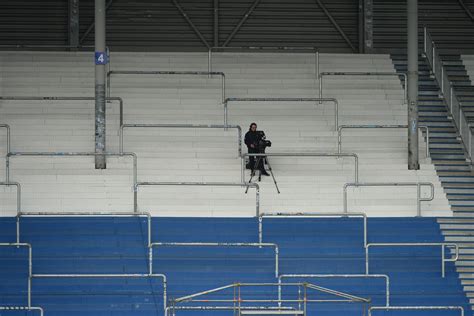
x: 251, y: 138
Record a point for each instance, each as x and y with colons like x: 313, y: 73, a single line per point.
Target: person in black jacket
x: 251, y: 140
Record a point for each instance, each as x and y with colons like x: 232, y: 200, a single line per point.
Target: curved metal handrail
x: 418, y: 185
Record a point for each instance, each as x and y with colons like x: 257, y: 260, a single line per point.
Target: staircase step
x: 455, y: 220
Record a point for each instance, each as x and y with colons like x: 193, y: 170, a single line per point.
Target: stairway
x: 449, y: 157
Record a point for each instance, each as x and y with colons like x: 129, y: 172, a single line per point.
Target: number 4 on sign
x: 100, y: 58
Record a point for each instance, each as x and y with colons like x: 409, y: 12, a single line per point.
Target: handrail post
x: 320, y: 87
x: 316, y: 64
x: 424, y: 39
x: 442, y: 80
x: 367, y: 259
x: 339, y: 139
x: 405, y: 87
x: 443, y: 268
x: 225, y: 114
x: 418, y: 200
x: 108, y: 83
x: 209, y: 61
x: 344, y: 201
x: 223, y: 87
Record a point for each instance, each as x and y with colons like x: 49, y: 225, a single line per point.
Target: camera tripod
x: 262, y: 159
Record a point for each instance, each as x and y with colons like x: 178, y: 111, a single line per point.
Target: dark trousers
x: 253, y: 159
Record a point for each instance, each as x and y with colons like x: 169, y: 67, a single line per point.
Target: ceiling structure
x: 330, y: 25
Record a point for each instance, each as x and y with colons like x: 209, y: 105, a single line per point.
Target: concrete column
x: 73, y: 25
x: 368, y: 36
x: 412, y: 52
x: 100, y: 61
x: 216, y: 23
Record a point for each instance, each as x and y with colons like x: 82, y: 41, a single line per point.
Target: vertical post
x: 368, y: 26
x: 316, y: 63
x: 412, y: 11
x: 100, y: 63
x: 418, y: 200
x: 443, y: 271
x: 279, y: 292
x: 361, y: 26
x: 216, y: 23
x: 299, y: 297
x: 73, y: 25
x: 305, y: 299
x: 367, y: 259
x: 320, y: 76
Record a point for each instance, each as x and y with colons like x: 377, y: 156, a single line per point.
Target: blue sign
x: 101, y: 58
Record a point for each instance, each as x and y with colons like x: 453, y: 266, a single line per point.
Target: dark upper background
x: 157, y: 24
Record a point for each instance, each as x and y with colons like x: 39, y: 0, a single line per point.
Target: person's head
x: 253, y: 127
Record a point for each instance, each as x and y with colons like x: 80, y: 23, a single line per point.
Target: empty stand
x: 331, y: 246
x: 196, y: 156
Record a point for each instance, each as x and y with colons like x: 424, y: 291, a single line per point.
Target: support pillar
x: 366, y: 26
x: 100, y: 63
x: 73, y: 25
x: 216, y: 23
x: 412, y: 52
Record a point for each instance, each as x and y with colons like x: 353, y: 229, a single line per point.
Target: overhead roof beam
x: 466, y: 9
x: 242, y: 21
x: 91, y: 27
x: 336, y: 25
x: 191, y: 24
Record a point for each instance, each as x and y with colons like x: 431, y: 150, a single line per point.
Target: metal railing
x: 303, y: 154
x: 77, y: 154
x: 7, y: 128
x: 30, y: 267
x: 290, y: 99
x: 112, y: 276
x: 309, y: 215
x: 378, y: 74
x: 462, y: 123
x: 314, y: 50
x: 18, y: 193
x: 343, y: 276
x: 23, y: 46
x: 216, y: 184
x: 159, y: 72
x: 53, y: 98
x: 374, y: 308
x: 237, y: 299
x: 339, y: 133
x: 418, y: 186
x: 239, y: 131
x: 88, y: 214
x: 434, y: 244
x: 22, y: 308
x: 213, y: 244
x: 100, y: 214
x: 171, y: 311
x: 18, y: 204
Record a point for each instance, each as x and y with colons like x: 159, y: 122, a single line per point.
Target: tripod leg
x: 273, y: 176
x: 252, y: 174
